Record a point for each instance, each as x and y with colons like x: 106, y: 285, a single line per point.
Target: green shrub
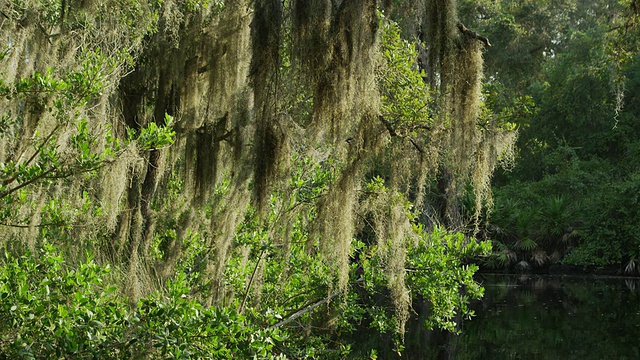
x: 49, y: 309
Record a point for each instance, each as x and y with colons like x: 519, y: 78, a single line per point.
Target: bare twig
x: 253, y: 275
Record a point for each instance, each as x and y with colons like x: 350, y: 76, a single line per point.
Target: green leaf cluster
x: 50, y: 309
x: 406, y: 101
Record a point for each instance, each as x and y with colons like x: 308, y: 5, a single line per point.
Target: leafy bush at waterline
x: 48, y: 310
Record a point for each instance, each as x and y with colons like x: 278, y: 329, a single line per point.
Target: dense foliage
x: 247, y: 179
x: 566, y: 74
x: 53, y: 310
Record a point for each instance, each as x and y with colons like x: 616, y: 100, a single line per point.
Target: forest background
x: 217, y: 179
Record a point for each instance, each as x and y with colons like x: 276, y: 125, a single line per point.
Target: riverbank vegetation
x: 567, y: 74
x: 217, y: 179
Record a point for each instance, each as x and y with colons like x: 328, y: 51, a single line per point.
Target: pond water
x: 540, y: 317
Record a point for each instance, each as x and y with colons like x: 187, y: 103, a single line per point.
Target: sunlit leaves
x: 49, y: 309
x: 404, y: 94
x: 439, y: 275
x: 156, y: 137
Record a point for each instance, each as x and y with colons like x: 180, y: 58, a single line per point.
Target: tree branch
x: 309, y: 309
x: 393, y: 132
x: 33, y: 156
x: 306, y: 310
x: 474, y: 35
x: 416, y: 146
x: 253, y: 275
x: 26, y: 183
x: 388, y: 125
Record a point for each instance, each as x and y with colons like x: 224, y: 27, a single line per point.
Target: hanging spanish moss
x: 242, y: 88
x: 270, y: 135
x: 455, y: 68
x: 389, y: 211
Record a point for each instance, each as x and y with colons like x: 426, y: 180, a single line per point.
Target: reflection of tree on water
x: 631, y: 284
x: 536, y: 317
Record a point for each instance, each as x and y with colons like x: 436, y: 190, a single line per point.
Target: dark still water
x: 535, y: 317
x: 541, y: 317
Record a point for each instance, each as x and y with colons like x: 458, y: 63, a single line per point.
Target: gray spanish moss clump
x: 270, y: 136
x: 454, y: 64
x: 195, y: 68
x: 340, y: 64
x: 389, y: 211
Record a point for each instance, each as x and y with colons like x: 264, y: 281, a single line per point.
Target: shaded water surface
x: 541, y: 317
x: 535, y: 317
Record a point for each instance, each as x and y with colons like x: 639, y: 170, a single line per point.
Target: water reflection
x: 540, y: 317
x: 537, y: 317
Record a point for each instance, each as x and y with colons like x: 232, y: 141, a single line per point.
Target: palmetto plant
x: 554, y: 219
